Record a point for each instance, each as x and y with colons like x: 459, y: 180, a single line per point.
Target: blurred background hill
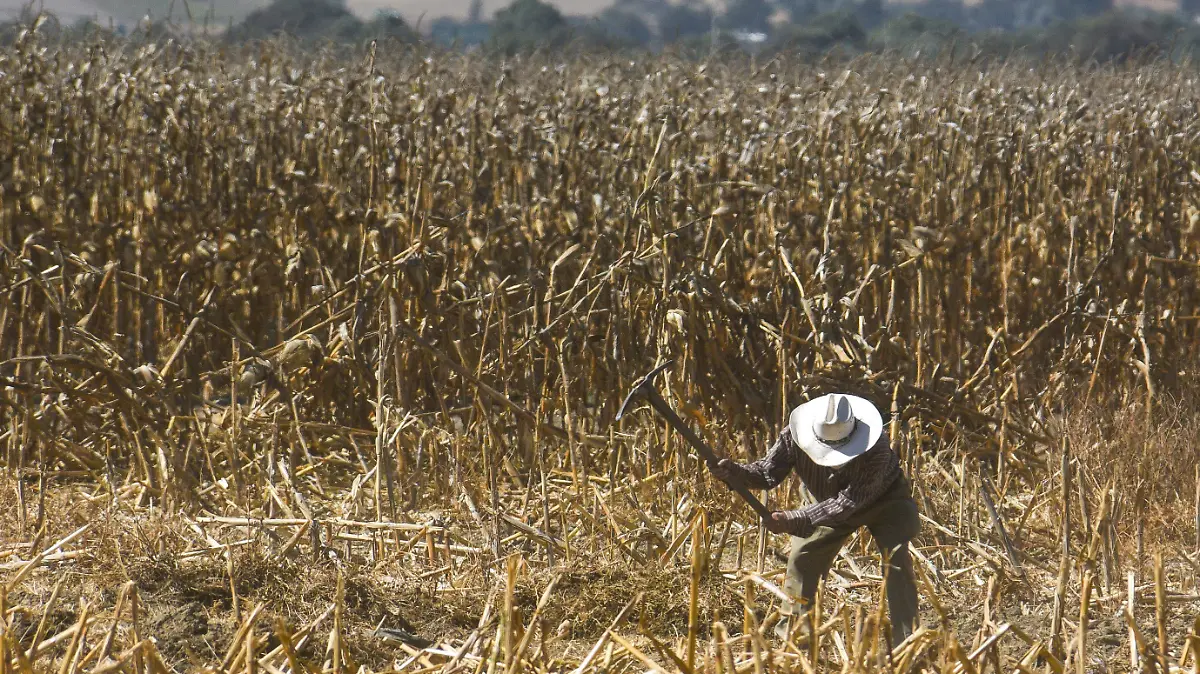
x: 1099, y: 29
x: 411, y: 10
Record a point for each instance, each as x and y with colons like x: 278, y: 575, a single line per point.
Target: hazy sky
x: 68, y: 10
x: 129, y: 11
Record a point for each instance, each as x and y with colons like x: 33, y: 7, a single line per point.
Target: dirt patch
x: 190, y: 607
x: 25, y: 623
x: 590, y: 599
x: 183, y: 633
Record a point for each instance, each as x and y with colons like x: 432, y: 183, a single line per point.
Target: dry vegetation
x: 428, y: 283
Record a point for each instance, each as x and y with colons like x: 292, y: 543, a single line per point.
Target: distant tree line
x: 1090, y: 29
x: 318, y: 20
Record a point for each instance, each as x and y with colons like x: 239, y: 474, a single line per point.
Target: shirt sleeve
x: 769, y: 471
x: 877, y: 469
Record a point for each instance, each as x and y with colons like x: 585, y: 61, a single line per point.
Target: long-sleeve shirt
x: 839, y: 494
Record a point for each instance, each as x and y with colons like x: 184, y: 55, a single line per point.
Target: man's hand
x: 793, y: 522
x: 731, y: 473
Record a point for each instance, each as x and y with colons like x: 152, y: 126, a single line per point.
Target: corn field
x: 309, y: 362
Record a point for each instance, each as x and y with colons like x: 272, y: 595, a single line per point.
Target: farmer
x: 836, y: 445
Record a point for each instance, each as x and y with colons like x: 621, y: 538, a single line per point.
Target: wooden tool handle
x: 703, y: 449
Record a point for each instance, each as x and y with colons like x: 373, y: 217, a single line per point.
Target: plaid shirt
x: 839, y: 494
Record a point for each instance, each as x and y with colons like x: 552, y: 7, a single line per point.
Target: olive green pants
x: 893, y: 522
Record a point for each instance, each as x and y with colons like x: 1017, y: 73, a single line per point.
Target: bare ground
x: 192, y: 604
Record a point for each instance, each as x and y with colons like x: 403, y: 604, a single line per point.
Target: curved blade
x: 640, y: 387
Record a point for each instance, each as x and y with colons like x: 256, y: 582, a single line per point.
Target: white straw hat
x: 835, y: 428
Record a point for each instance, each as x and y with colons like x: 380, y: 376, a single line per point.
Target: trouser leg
x: 901, y: 594
x: 894, y: 524
x: 808, y: 563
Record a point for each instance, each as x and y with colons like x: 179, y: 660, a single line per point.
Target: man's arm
x: 872, y: 474
x: 767, y: 472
